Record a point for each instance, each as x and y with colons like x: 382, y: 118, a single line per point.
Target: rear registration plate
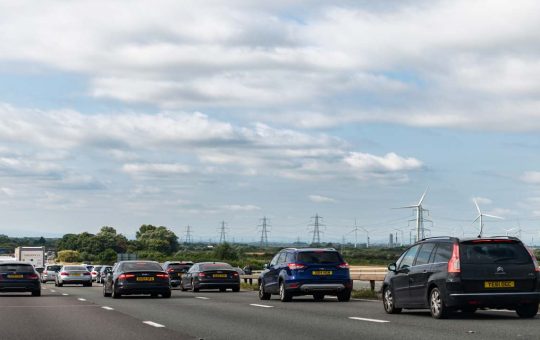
x: 76, y: 274
x: 499, y: 284
x: 219, y: 276
x: 15, y: 276
x: 142, y: 278
x: 322, y: 272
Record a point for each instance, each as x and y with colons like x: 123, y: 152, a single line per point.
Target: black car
x: 211, y: 275
x: 137, y: 277
x: 447, y: 273
x: 306, y: 271
x: 19, y: 277
x: 176, y: 269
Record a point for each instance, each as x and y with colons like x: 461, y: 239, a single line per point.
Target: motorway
x: 83, y: 313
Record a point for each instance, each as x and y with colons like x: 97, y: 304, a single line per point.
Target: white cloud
x: 531, y: 177
x: 321, y: 199
x: 390, y: 162
x: 482, y: 200
x: 238, y: 207
x: 155, y: 168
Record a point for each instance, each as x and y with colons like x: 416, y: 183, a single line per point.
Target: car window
x: 494, y: 252
x: 408, y: 259
x: 214, y: 266
x: 289, y: 258
x: 179, y: 267
x: 424, y: 254
x: 319, y: 257
x: 53, y: 268
x: 194, y: 268
x: 443, y: 252
x: 82, y: 268
x: 19, y: 268
x: 281, y: 258
x: 275, y: 259
x: 129, y: 266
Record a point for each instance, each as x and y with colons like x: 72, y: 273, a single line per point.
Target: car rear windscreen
x: 319, y: 257
x: 75, y: 268
x: 16, y: 268
x: 214, y: 266
x: 494, y: 252
x: 180, y: 267
x: 53, y: 268
x: 129, y: 266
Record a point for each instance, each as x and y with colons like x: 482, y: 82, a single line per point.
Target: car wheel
x: 105, y: 294
x: 182, y: 288
x: 193, y: 288
x: 436, y: 304
x: 60, y: 284
x: 527, y: 311
x: 344, y: 296
x: 318, y: 297
x: 166, y: 295
x: 115, y: 294
x: 262, y: 294
x: 388, y: 302
x: 236, y: 289
x: 56, y: 283
x: 223, y: 290
x: 36, y: 293
x: 284, y: 296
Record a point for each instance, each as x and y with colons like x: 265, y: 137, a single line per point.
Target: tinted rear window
x: 19, y: 268
x: 214, y: 266
x: 180, y: 267
x: 97, y: 269
x: 82, y: 268
x: 53, y: 268
x: 495, y: 252
x: 141, y: 266
x: 319, y: 257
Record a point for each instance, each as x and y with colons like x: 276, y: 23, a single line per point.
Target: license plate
x: 499, y: 284
x: 15, y: 276
x: 76, y: 274
x: 220, y: 276
x: 322, y: 272
x: 142, y: 278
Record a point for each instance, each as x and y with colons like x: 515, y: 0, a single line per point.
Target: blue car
x: 306, y: 271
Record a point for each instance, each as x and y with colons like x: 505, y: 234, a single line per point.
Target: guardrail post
x: 372, y: 285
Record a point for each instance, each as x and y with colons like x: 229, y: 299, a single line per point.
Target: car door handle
x: 425, y: 271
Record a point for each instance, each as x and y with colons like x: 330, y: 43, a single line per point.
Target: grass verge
x: 365, y: 294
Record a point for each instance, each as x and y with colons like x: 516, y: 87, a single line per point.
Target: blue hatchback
x: 306, y: 271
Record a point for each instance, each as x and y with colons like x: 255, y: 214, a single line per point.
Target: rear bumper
x: 78, y: 280
x: 19, y: 286
x: 143, y: 289
x: 507, y: 299
x: 334, y: 287
x: 330, y: 287
x: 217, y: 285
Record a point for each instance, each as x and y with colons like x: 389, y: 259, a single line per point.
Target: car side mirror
x: 266, y: 266
x: 392, y: 267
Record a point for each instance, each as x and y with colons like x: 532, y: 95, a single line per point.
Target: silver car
x: 49, y: 272
x: 73, y: 275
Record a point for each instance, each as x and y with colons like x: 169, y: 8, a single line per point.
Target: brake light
x: 162, y: 276
x: 32, y: 276
x: 295, y: 266
x: 453, y: 263
x: 235, y: 274
x: 535, y: 262
x: 87, y: 274
x: 64, y: 273
x: 202, y: 274
x: 170, y: 270
x: 94, y: 273
x: 344, y: 265
x: 125, y: 276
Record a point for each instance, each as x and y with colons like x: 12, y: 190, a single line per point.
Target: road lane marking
x: 366, y: 300
x: 81, y: 299
x: 366, y: 319
x: 263, y: 306
x: 65, y: 294
x: 153, y: 324
x: 107, y: 308
x: 202, y: 297
x: 53, y: 291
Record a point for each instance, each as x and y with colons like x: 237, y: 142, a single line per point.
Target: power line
x: 188, y: 238
x: 264, y: 232
x: 316, y: 231
x: 223, y: 233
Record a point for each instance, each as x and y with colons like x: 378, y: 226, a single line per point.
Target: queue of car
x: 442, y: 274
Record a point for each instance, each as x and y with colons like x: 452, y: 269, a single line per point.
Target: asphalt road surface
x: 83, y: 313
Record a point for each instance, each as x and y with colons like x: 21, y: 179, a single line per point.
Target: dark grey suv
x: 446, y: 274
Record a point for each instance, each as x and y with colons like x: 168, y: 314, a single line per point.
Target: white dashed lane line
x: 65, y: 294
x: 368, y: 320
x: 81, y: 299
x: 53, y: 291
x: 202, y: 297
x: 262, y: 306
x: 153, y: 324
x: 107, y: 308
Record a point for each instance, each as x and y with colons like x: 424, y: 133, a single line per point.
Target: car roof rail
x: 439, y: 237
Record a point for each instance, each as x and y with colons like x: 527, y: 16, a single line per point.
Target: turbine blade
x: 407, y: 207
x: 477, y: 207
x: 493, y: 216
x: 423, y: 196
x: 476, y: 219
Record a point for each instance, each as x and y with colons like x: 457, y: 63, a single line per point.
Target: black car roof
x: 310, y: 249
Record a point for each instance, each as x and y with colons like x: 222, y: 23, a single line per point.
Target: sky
x: 180, y: 113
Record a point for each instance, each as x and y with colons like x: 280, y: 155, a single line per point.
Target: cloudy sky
x: 189, y: 113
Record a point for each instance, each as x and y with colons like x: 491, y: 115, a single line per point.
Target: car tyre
x: 105, y: 294
x: 166, y: 295
x: 527, y: 311
x: 318, y: 297
x: 36, y: 293
x: 223, y: 290
x: 344, y: 296
x: 262, y: 294
x: 115, y: 294
x: 284, y: 296
x: 389, y: 302
x: 236, y: 289
x: 60, y: 284
x: 437, y: 305
x: 193, y: 288
x: 182, y: 288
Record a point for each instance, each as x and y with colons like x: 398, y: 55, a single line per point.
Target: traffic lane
x: 222, y: 315
x: 53, y: 316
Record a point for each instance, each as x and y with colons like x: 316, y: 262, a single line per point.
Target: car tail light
x: 344, y: 265
x: 453, y: 263
x: 162, y: 276
x: 202, y: 274
x: 94, y: 273
x: 126, y: 276
x: 87, y: 274
x: 295, y: 266
x: 535, y: 262
x: 32, y: 276
x: 64, y: 273
x: 170, y: 270
x: 235, y: 274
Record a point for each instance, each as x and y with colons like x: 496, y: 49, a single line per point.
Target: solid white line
x: 153, y: 324
x: 366, y: 300
x: 65, y: 294
x: 263, y: 306
x: 365, y: 319
x: 107, y: 308
x: 53, y: 291
x: 202, y: 297
x: 81, y: 299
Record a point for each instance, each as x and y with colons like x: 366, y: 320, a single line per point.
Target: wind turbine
x: 419, y: 216
x: 509, y: 230
x: 481, y: 218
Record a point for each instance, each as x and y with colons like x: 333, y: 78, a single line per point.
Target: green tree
x: 225, y: 251
x: 68, y: 256
x: 108, y: 256
x: 157, y: 239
